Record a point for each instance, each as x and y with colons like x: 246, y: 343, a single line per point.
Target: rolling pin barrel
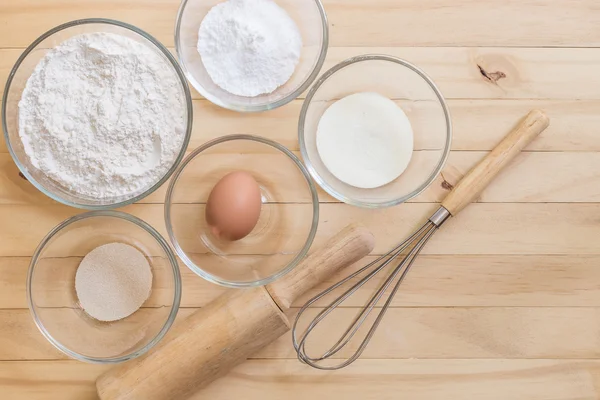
x: 201, y: 348
x: 227, y: 331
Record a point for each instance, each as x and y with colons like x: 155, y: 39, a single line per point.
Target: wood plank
x: 530, y: 178
x: 26, y: 20
x: 478, y: 281
x: 415, y: 379
x: 502, y: 228
x: 8, y: 58
x: 464, y: 22
x: 434, y: 281
x: 432, y: 332
x: 483, y: 228
x: 21, y: 339
x: 58, y: 380
x: 474, y: 332
x: 460, y: 72
x: 481, y: 124
x: 478, y: 124
x: 544, y: 177
x: 460, y: 23
x: 380, y: 379
x: 463, y: 72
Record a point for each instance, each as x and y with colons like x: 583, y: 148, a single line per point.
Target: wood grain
x: 483, y: 228
x: 422, y: 332
x: 464, y: 72
x: 434, y: 281
x: 352, y: 22
x: 478, y: 124
x: 549, y: 379
x: 505, y: 302
x: 477, y: 179
x: 21, y: 340
x: 535, y: 177
x: 520, y: 332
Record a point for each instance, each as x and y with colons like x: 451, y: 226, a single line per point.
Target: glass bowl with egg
x: 109, y: 313
x: 259, y: 26
x: 241, y: 211
x: 374, y: 131
x: 123, y: 175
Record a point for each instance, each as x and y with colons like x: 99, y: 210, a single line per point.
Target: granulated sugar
x: 113, y: 281
x: 249, y: 47
x: 103, y: 115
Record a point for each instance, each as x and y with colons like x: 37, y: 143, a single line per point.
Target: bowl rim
x: 180, y: 75
x: 176, y: 278
x: 299, y: 256
x: 322, y: 182
x: 264, y: 107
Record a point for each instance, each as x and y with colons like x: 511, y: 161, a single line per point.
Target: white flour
x: 365, y: 140
x: 249, y: 47
x: 103, y: 115
x: 113, y: 281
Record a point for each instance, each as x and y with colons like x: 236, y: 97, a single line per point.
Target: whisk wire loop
x: 417, y: 240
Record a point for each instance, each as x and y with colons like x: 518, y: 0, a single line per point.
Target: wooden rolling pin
x: 213, y: 340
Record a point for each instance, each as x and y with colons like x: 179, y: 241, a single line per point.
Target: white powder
x: 365, y: 140
x: 249, y: 47
x: 103, y: 115
x: 113, y: 281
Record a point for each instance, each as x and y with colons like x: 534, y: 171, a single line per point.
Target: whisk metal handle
x: 476, y: 180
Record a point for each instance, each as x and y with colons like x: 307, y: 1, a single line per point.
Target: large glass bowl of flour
x: 375, y: 131
x: 55, y: 304
x: 96, y: 114
x: 258, y: 25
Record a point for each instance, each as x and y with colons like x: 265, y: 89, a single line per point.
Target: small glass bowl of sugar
x: 251, y: 55
x: 57, y: 299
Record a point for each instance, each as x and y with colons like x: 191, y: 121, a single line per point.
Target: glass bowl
x: 414, y: 92
x: 17, y: 80
x: 286, y: 226
x: 311, y: 20
x: 53, y: 301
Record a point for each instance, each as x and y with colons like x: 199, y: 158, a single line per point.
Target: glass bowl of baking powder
x: 97, y: 114
x: 54, y: 296
x: 251, y: 55
x: 375, y: 131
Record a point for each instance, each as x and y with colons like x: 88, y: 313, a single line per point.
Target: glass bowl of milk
x: 374, y: 131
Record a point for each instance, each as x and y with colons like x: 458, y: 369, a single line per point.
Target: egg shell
x: 233, y: 206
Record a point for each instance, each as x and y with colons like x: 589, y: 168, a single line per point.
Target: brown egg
x: 233, y: 206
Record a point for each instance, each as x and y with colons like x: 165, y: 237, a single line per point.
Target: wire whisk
x: 419, y: 239
x: 466, y: 191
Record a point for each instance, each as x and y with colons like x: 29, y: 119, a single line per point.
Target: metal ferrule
x: 440, y: 216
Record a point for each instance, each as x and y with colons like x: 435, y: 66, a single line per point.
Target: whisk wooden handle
x: 476, y: 180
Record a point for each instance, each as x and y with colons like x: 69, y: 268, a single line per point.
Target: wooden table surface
x: 504, y: 303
